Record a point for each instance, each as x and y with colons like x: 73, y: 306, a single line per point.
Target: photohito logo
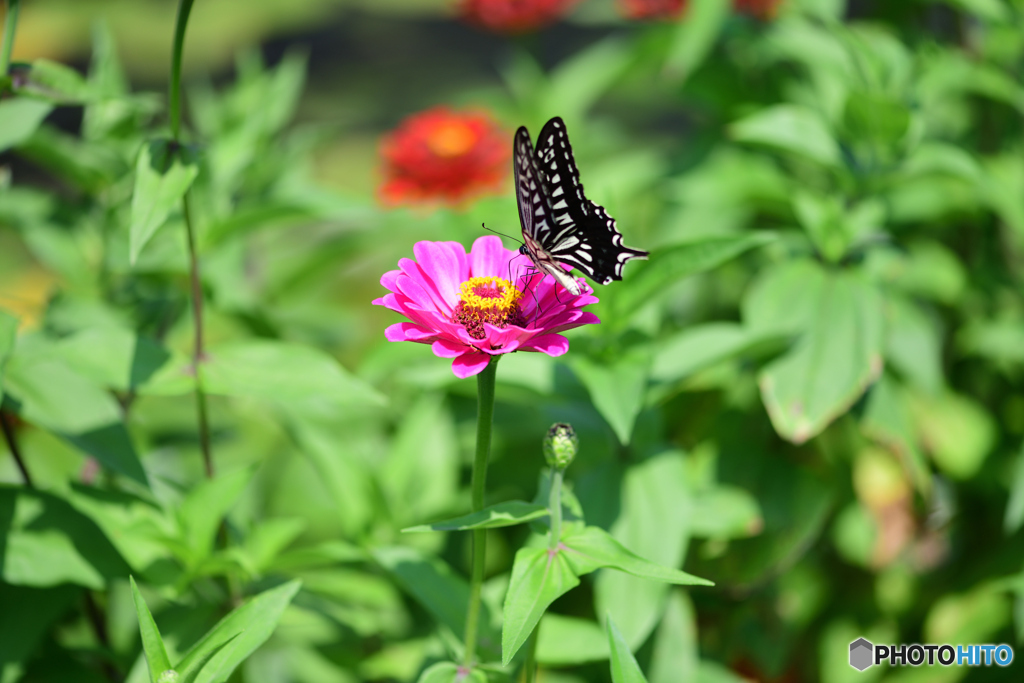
x: 864, y: 653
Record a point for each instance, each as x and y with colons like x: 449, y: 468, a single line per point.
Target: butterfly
x: 560, y: 225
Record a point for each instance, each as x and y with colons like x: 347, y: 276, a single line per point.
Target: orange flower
x: 443, y: 155
x: 652, y: 9
x: 514, y: 16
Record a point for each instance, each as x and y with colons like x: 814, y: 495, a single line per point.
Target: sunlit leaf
x: 19, y: 118
x: 509, y: 513
x: 243, y: 630
x: 163, y: 174
x: 695, y: 36
x: 539, y: 576
x: 564, y: 641
x: 152, y: 641
x: 624, y: 666
x: 790, y: 128
x: 838, y: 355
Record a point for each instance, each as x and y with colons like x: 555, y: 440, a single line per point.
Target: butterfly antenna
x: 503, y: 235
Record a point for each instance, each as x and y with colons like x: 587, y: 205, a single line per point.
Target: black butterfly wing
x: 578, y: 232
x: 535, y: 211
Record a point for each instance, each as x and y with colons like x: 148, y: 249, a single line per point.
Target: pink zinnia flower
x: 462, y: 305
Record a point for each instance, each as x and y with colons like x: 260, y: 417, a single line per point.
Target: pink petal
x: 444, y: 348
x: 489, y: 257
x: 470, y: 364
x: 419, y: 291
x: 414, y: 274
x: 587, y: 318
x: 388, y: 279
x: 551, y: 344
x: 500, y: 340
x: 408, y: 332
x: 444, y: 264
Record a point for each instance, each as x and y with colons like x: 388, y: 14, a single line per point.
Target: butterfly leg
x: 530, y: 272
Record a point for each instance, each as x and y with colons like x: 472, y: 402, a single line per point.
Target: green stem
x: 174, y: 103
x: 555, y: 507
x: 484, y: 420
x: 198, y: 350
x: 195, y: 277
x: 10, y: 25
x: 530, y: 665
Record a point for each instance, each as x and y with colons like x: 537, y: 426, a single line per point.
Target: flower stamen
x: 487, y: 300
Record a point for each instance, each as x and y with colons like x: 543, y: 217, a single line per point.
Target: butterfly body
x: 560, y: 225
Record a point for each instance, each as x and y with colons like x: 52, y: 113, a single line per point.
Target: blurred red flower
x: 652, y: 9
x: 762, y: 9
x: 514, y: 16
x: 443, y: 155
x: 671, y: 9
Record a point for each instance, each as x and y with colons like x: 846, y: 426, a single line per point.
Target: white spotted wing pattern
x: 560, y: 225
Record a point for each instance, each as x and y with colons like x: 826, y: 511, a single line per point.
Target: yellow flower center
x: 451, y: 139
x: 487, y: 300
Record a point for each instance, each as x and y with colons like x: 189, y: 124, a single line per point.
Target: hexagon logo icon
x: 860, y: 654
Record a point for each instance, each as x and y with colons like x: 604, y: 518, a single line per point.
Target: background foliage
x: 811, y: 394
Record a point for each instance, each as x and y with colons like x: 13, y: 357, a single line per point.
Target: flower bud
x: 560, y: 445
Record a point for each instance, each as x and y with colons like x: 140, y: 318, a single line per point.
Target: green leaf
x: 593, y: 548
x: 875, y: 117
x: 48, y: 542
x: 675, y: 655
x: 680, y: 355
x: 1014, y: 517
x: 624, y: 666
x: 913, y: 344
x: 46, y: 391
x: 56, y: 83
x: 539, y: 576
x: 431, y: 582
x: 324, y: 554
x: 27, y: 615
x: 449, y: 672
x: 888, y: 419
x: 568, y: 641
x: 191, y: 674
x: 19, y: 118
x: 421, y: 474
x: 8, y: 334
x: 822, y: 219
x: 725, y: 512
x: 246, y: 220
x: 654, y: 522
x: 579, y: 81
x: 163, y: 174
x: 247, y: 627
x: 957, y: 431
x: 695, y: 36
x: 617, y: 388
x: 509, y: 513
x: 992, y: 10
x: 790, y: 128
x: 286, y: 373
x: 973, y: 617
x: 670, y: 265
x: 838, y: 355
x: 152, y: 642
x: 200, y: 513
x: 114, y: 357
